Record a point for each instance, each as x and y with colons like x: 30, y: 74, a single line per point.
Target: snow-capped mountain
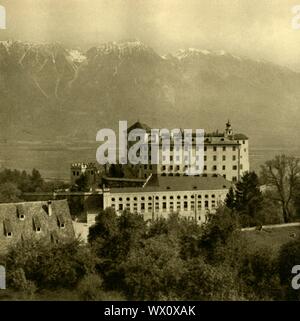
x: 47, y: 91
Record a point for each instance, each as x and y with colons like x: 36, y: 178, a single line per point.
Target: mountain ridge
x: 48, y: 91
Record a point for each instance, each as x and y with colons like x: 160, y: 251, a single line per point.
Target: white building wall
x: 189, y: 204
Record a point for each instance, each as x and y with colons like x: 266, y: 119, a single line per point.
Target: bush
x: 90, y: 288
x: 17, y: 280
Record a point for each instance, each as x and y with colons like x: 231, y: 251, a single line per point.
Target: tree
x: 153, y: 270
x: 282, y: 173
x: 9, y: 193
x: 36, y: 180
x: 230, y: 199
x: 289, y: 256
x: 248, y: 197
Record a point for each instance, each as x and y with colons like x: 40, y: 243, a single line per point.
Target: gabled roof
x: 36, y: 215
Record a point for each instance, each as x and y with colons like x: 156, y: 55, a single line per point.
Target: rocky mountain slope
x: 51, y: 92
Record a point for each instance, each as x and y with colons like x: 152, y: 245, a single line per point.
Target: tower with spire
x: 228, y: 129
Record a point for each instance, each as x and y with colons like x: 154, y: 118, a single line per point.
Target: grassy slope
x: 272, y: 238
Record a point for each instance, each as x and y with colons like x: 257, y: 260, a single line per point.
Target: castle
x: 225, y: 154
x: 167, y: 189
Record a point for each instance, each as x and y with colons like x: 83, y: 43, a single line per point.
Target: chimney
x: 49, y: 208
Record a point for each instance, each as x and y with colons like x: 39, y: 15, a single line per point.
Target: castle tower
x: 228, y: 130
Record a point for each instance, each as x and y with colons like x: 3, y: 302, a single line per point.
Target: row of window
x: 214, y: 167
x: 164, y: 206
x: 164, y: 197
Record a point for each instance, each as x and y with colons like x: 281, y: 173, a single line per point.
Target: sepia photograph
x: 149, y: 152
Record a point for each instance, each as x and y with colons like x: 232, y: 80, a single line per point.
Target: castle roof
x: 158, y: 183
x: 139, y: 125
x: 31, y: 220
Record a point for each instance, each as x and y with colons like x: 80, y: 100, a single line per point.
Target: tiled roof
x: 219, y: 140
x: 31, y: 220
x: 159, y: 183
x: 240, y: 137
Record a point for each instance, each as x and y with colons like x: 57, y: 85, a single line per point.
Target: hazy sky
x: 259, y: 29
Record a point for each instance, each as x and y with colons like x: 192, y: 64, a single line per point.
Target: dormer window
x: 61, y: 222
x: 37, y: 224
x: 20, y: 213
x: 7, y: 228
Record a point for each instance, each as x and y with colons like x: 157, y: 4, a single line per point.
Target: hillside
x: 50, y: 92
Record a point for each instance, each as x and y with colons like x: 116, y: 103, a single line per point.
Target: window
x: 185, y: 197
x: 223, y: 167
x: 206, y: 196
x: 224, y: 148
x: 120, y: 207
x: 241, y: 166
x: 205, y: 158
x: 234, y: 179
x: 234, y: 167
x: 164, y: 205
x: 128, y: 199
x: 215, y: 148
x: 199, y: 205
x: 149, y: 198
x: 233, y: 148
x: 214, y: 168
x: 205, y: 148
x: 243, y: 142
x: 224, y: 158
x: 142, y: 206
x: 206, y: 204
x: 178, y: 197
x: 215, y: 157
x: 199, y: 196
x: 205, y: 167
x: 120, y: 199
x: 113, y: 199
x: 164, y: 197
x: 233, y: 157
x: 224, y: 176
x: 164, y: 168
x: 157, y: 197
x: 185, y: 206
x: 192, y: 205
